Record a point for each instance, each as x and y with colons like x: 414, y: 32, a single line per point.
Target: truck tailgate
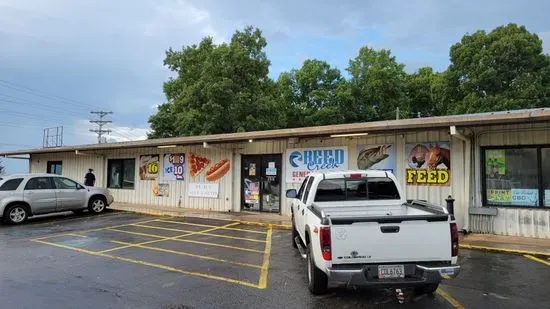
x: 388, y: 240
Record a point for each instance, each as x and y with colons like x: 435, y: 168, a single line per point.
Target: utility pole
x: 100, y: 122
x: 397, y: 113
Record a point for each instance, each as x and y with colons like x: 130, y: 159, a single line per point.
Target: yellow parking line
x: 200, y: 233
x: 204, y: 257
x: 77, y: 235
x: 92, y: 230
x: 537, y: 259
x: 191, y: 273
x: 449, y: 299
x: 163, y: 238
x: 205, y: 225
x: 262, y: 284
x: 219, y: 245
x: 137, y: 233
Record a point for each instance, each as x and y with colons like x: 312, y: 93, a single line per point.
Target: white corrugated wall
x: 513, y: 221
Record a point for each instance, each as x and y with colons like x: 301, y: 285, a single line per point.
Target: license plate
x: 391, y: 271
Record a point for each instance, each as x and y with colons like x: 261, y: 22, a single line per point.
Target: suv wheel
x: 96, y: 205
x: 16, y: 214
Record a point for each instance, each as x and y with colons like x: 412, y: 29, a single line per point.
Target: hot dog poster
x: 148, y: 167
x: 204, y: 167
x: 428, y: 164
x: 173, y: 167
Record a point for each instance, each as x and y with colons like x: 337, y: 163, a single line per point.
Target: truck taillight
x: 324, y: 239
x: 454, y: 240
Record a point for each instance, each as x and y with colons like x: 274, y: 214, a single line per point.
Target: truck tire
x: 426, y: 289
x: 294, y: 234
x: 317, y: 280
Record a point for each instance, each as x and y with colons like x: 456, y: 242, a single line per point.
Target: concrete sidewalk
x: 486, y: 242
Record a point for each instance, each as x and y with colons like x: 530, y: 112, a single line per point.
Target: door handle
x: 389, y: 229
x: 303, y: 211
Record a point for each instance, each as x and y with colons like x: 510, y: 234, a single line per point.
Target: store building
x: 496, y: 166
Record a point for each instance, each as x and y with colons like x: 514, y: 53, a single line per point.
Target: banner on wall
x: 214, y: 169
x: 161, y: 189
x: 302, y: 161
x: 173, y: 167
x: 148, y: 167
x: 428, y: 164
x: 210, y: 190
x: 376, y: 157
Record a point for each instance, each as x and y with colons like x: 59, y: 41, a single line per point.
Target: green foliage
x: 226, y: 88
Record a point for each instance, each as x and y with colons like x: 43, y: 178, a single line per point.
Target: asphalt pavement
x: 124, y: 260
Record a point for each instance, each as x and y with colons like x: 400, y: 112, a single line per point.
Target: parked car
x: 26, y: 195
x: 357, y: 228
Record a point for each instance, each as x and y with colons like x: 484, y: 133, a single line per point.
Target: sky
x: 61, y: 59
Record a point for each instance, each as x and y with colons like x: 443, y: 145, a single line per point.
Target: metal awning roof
x: 377, y: 127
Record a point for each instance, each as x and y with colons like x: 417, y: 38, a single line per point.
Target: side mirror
x: 291, y: 193
x: 79, y: 187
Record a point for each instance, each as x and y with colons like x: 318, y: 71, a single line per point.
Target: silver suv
x: 25, y: 195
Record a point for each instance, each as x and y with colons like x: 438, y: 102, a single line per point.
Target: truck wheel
x: 317, y: 280
x: 294, y: 234
x: 426, y: 289
x: 16, y: 214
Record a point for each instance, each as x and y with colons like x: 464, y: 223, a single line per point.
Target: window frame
x: 540, y: 183
x: 121, y: 161
x: 49, y: 165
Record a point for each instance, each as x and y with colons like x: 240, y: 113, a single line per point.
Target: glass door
x: 261, y: 183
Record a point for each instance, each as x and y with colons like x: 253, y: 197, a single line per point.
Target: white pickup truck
x: 357, y: 228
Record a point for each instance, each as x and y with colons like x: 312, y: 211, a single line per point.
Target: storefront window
x: 121, y: 173
x: 546, y: 175
x: 512, y: 177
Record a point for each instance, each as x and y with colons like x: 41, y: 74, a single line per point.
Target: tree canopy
x: 223, y: 88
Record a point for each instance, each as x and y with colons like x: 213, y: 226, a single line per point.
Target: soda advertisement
x: 149, y: 167
x: 376, y: 157
x: 303, y: 161
x: 429, y: 164
x: 173, y: 167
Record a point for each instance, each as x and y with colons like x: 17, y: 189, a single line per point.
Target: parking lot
x: 123, y: 260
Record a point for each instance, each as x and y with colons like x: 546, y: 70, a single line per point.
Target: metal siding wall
x: 73, y: 166
x: 514, y: 221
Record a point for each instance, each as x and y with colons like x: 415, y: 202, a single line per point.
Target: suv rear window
x: 331, y: 190
x: 11, y: 184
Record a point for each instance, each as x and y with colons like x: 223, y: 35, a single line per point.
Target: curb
x: 161, y: 214
x: 503, y: 250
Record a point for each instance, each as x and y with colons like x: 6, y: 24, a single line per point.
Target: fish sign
x: 380, y: 157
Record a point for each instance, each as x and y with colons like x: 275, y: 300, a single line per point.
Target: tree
x: 218, y: 89
x: 501, y: 70
x: 377, y: 85
x: 427, y: 92
x: 311, y: 94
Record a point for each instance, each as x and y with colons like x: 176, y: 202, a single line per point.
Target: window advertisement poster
x: 499, y: 196
x: 547, y: 198
x: 376, y: 157
x: 210, y: 190
x: 428, y: 164
x: 161, y: 189
x: 148, y: 167
x: 303, y: 161
x: 495, y: 162
x: 525, y: 197
x: 173, y: 167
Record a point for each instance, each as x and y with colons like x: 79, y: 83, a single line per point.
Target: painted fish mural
x: 370, y: 156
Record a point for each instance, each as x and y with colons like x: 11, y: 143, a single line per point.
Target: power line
x: 100, y: 123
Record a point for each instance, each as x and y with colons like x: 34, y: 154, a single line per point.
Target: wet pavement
x: 124, y: 260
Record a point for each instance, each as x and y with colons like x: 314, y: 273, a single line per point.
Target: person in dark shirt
x: 89, y: 179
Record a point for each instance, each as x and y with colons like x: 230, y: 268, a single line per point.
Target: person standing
x: 89, y: 179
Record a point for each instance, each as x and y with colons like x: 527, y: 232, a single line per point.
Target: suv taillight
x: 324, y: 239
x: 454, y: 240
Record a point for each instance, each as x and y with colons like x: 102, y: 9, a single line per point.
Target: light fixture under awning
x: 167, y: 146
x: 349, y: 134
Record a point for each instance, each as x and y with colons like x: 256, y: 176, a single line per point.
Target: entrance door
x: 261, y: 183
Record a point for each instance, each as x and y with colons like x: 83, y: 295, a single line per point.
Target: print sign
x: 210, y: 190
x: 148, y: 167
x: 429, y: 164
x: 173, y: 167
x: 302, y: 162
x: 376, y: 157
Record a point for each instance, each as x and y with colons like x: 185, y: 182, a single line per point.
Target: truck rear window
x: 330, y: 190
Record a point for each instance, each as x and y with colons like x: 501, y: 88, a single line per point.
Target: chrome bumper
x: 414, y: 275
